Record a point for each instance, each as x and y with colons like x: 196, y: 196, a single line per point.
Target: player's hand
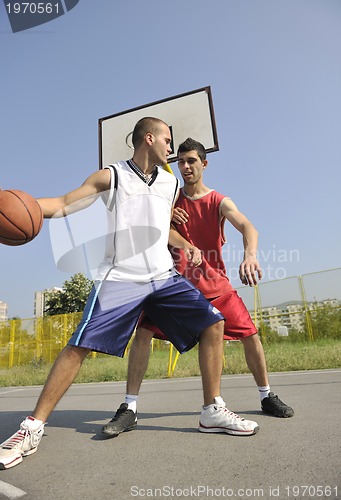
x: 250, y: 271
x: 180, y: 216
x: 193, y: 255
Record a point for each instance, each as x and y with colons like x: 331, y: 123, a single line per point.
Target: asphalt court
x: 166, y: 457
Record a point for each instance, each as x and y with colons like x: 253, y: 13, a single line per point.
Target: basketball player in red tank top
x: 200, y: 216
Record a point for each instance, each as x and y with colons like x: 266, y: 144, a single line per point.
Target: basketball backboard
x: 188, y: 115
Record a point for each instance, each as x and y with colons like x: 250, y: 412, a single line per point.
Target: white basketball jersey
x: 139, y: 214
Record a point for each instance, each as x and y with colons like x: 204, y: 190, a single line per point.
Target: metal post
x: 306, y: 309
x: 11, y: 343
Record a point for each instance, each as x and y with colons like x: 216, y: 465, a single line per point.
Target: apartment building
x: 40, y: 301
x: 3, y: 311
x: 291, y: 314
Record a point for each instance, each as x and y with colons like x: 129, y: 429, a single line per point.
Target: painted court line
x: 198, y: 378
x: 11, y: 390
x: 187, y: 379
x: 10, y: 491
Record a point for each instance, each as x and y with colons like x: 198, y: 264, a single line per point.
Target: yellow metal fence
x: 292, y: 303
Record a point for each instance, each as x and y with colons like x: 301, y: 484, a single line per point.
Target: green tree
x: 326, y: 322
x: 71, y: 298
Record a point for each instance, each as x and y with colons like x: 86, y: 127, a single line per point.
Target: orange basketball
x: 21, y: 217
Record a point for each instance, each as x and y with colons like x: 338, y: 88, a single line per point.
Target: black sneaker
x: 273, y: 405
x: 124, y: 420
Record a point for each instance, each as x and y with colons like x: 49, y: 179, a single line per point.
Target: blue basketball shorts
x: 113, y: 309
x: 238, y: 323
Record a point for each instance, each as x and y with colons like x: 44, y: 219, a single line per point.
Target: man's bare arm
x: 77, y: 199
x: 249, y: 270
x: 193, y: 253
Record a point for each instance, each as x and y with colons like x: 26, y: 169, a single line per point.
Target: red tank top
x: 205, y: 230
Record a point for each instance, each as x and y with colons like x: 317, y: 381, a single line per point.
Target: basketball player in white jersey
x: 137, y: 272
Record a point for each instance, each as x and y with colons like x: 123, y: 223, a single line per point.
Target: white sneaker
x: 23, y: 443
x: 217, y: 418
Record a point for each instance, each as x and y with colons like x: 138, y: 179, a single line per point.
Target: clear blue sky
x: 274, y: 68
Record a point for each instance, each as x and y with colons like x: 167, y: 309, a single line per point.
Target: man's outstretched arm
x: 249, y: 270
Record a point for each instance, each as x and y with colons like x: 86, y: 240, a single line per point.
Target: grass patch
x: 282, y: 357
x: 320, y: 354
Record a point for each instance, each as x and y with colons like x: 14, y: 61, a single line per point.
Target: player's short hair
x: 192, y: 145
x: 143, y: 126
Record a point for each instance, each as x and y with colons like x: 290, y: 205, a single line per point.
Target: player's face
x: 191, y: 166
x: 162, y: 145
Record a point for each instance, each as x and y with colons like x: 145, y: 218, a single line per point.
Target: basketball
x: 21, y: 218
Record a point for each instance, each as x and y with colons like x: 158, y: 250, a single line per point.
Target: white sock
x: 218, y: 400
x: 264, y: 391
x: 131, y: 401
